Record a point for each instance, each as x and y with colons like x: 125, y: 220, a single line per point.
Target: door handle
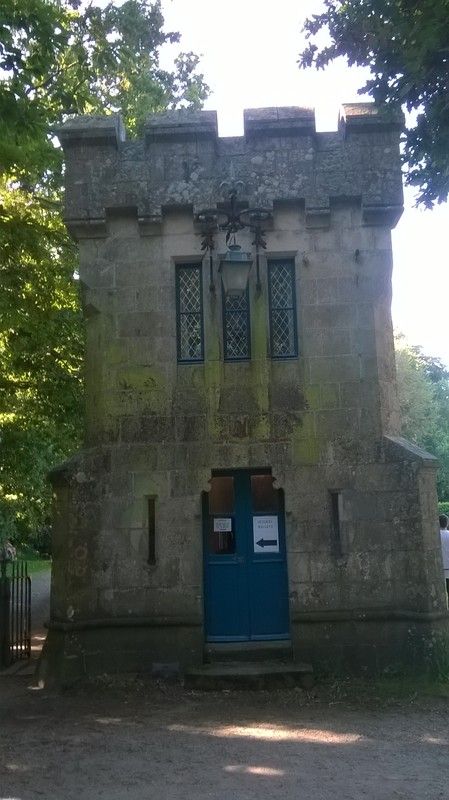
x: 240, y: 559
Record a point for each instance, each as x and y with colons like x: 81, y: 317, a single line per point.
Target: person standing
x: 444, y: 534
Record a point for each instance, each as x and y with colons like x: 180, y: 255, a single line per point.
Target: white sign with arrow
x: 266, y: 534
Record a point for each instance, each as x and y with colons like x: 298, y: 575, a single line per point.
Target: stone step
x: 248, y: 651
x: 249, y: 675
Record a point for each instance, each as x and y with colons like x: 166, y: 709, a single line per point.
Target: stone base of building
x: 373, y: 642
x: 355, y: 643
x: 88, y: 650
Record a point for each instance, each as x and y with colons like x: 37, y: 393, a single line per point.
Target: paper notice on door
x: 266, y: 534
x: 222, y: 525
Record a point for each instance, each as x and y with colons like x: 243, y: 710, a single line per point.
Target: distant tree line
x: 423, y: 389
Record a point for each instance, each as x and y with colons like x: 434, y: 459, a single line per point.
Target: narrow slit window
x: 282, y: 303
x: 236, y: 327
x: 151, y: 512
x: 335, y: 503
x: 189, y: 312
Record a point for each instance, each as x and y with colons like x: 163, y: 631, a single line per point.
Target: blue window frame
x: 189, y: 312
x: 236, y: 327
x: 282, y: 306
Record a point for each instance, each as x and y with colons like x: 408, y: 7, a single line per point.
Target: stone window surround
x: 293, y: 256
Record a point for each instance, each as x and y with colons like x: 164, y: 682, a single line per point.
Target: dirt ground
x: 135, y: 741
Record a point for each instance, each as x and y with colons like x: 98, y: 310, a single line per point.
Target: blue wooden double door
x: 245, y: 581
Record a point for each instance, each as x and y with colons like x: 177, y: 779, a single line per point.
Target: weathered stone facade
x: 324, y: 421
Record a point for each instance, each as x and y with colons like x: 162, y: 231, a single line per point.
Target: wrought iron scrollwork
x: 231, y: 219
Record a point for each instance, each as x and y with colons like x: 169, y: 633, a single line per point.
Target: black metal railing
x: 15, y: 612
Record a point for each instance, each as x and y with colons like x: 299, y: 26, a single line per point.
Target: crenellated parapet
x: 181, y: 162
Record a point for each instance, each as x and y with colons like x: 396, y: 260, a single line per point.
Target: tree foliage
x: 405, y: 44
x: 58, y: 58
x: 423, y: 389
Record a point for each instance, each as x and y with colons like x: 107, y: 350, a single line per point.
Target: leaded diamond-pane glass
x: 283, y: 341
x: 237, y: 302
x: 190, y: 337
x: 282, y: 309
x: 281, y: 286
x: 236, y: 327
x: 189, y: 313
x: 189, y: 291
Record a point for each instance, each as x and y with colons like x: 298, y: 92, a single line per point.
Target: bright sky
x: 249, y: 51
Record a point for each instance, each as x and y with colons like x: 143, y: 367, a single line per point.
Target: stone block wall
x: 325, y: 421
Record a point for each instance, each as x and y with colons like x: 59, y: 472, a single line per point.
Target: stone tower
x: 243, y: 478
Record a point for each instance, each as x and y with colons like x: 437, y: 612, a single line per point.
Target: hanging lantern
x: 235, y: 266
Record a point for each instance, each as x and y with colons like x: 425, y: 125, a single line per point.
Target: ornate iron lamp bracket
x: 231, y: 220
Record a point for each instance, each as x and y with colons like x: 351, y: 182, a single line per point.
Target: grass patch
x: 424, y: 686
x: 36, y: 563
x: 382, y: 691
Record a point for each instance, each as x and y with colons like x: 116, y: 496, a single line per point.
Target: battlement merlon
x: 92, y: 129
x: 181, y: 161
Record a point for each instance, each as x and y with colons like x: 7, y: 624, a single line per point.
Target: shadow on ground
x: 134, y: 739
x: 143, y: 740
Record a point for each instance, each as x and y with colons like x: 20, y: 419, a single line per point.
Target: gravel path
x: 40, y: 613
x: 131, y: 740
x: 40, y: 599
x: 153, y: 742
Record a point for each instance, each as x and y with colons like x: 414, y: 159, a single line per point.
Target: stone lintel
x: 387, y: 216
x: 285, y: 121
x: 319, y: 217
x: 181, y: 125
x: 369, y: 118
x: 150, y: 225
x: 92, y: 129
x: 88, y: 228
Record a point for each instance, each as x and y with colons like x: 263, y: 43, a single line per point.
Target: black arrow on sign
x: 267, y: 542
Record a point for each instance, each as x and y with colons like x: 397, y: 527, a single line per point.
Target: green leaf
x: 405, y: 45
x: 58, y: 57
